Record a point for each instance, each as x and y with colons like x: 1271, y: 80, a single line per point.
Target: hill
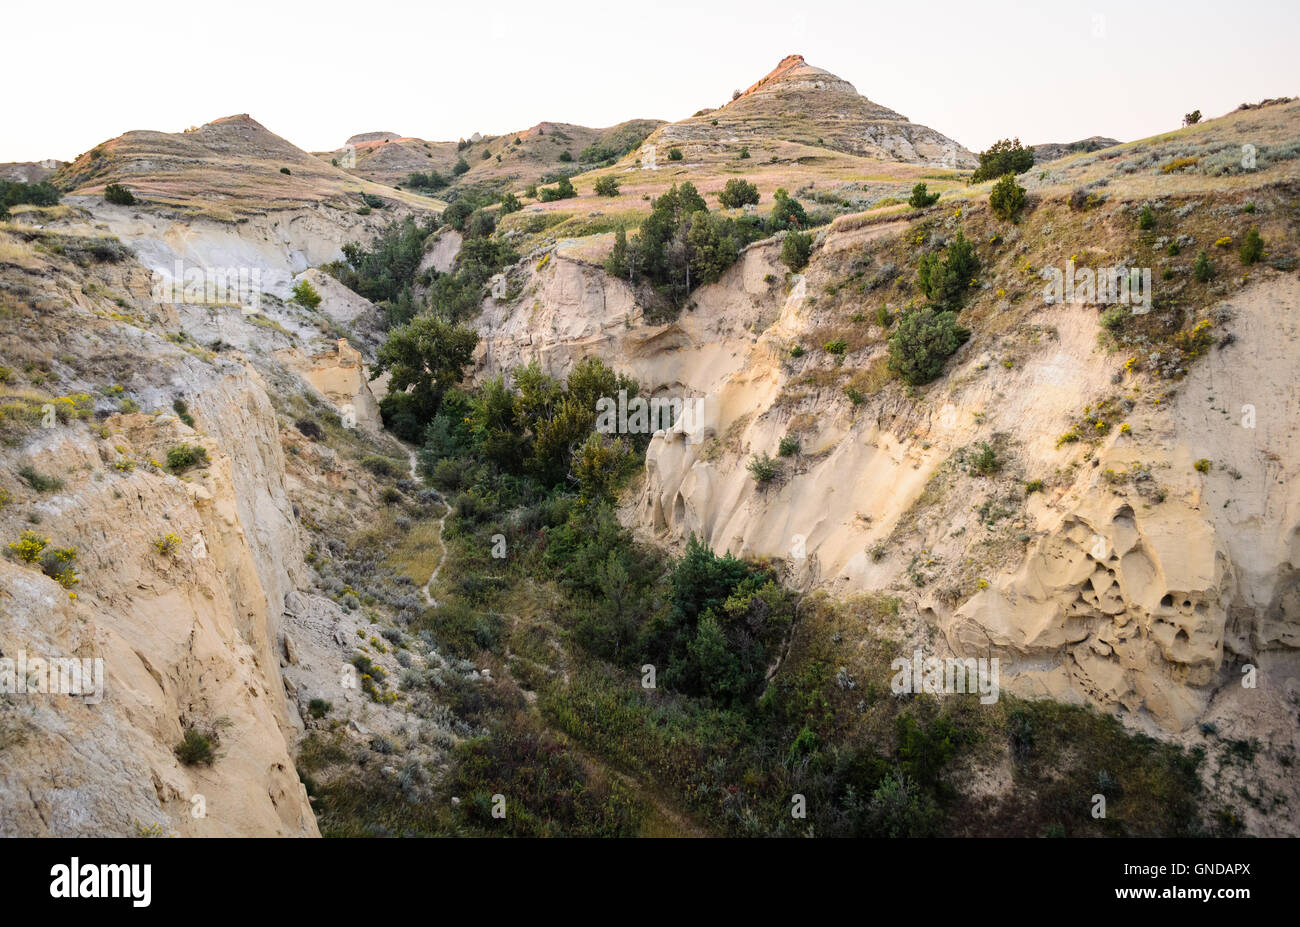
x: 229, y: 167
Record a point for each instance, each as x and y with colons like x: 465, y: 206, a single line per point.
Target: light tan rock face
x: 187, y: 637
x: 1160, y: 607
x: 341, y: 378
x: 570, y: 310
x: 1138, y: 605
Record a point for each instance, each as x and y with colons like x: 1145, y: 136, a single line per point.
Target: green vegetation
x: 1203, y: 270
x: 1005, y: 157
x: 425, y: 357
x: 1146, y: 218
x: 674, y: 154
x: 921, y: 198
x: 922, y: 342
x: 738, y: 193
x: 432, y: 180
x: 182, y: 410
x: 1007, y: 198
x: 195, y: 749
x: 14, y: 193
x: 118, y: 195
x: 789, y: 446
x: 1252, y: 247
x: 607, y: 186
x: 947, y: 280
x: 762, y: 468
x: 184, y: 456
x: 305, y: 295
x: 561, y: 191
x: 796, y: 249
x: 38, y: 481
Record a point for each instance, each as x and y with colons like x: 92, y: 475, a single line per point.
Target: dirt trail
x: 442, y: 524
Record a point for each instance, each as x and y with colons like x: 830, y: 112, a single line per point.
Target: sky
x: 78, y: 73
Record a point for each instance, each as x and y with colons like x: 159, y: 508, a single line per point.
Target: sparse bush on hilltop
x: 1192, y: 118
x: 922, y: 342
x: 1005, y: 157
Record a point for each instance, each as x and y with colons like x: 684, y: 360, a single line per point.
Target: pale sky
x: 78, y: 73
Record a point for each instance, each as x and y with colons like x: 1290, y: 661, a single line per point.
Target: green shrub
x: 1203, y: 270
x: 796, y: 250
x: 921, y: 198
x: 607, y: 186
x: 837, y: 347
x: 922, y: 342
x: 1202, y: 465
x: 738, y: 193
x: 564, y: 156
x: 986, y: 462
x: 674, y: 154
x: 305, y: 295
x: 284, y: 170
x: 182, y: 410
x: 118, y: 195
x: 38, y: 481
x: 460, y: 167
x: 195, y: 749
x: 762, y: 468
x: 1033, y: 486
x: 789, y: 446
x: 319, y: 708
x: 183, y: 456
x: 1007, y: 198
x: 561, y: 191
x: 1005, y: 157
x: 744, y: 152
x: 1252, y: 247
x: 1146, y: 218
x: 946, y: 280
x: 380, y: 466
